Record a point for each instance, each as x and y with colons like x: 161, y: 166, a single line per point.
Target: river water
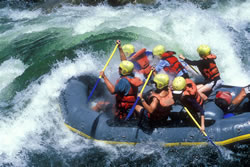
x: 40, y: 51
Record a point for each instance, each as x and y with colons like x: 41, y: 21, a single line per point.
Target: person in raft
x: 156, y: 108
x: 185, y: 90
x: 208, y: 69
x: 168, y: 62
x: 139, y: 58
x: 125, y: 90
x: 229, y: 106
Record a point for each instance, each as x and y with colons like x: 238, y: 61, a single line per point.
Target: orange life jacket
x: 162, y: 110
x: 210, y: 72
x: 191, y: 90
x: 125, y: 102
x: 175, y: 66
x: 141, y: 58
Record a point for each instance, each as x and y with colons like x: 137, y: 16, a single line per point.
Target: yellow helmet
x: 126, y: 67
x: 204, y: 50
x: 161, y: 80
x: 158, y: 50
x: 179, y: 83
x: 128, y: 49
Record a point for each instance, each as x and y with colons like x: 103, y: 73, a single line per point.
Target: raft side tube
x: 79, y: 116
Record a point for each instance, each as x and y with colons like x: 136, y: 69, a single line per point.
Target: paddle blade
x: 94, y: 88
x: 214, y: 145
x: 132, y: 109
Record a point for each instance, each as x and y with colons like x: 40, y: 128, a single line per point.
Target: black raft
x: 79, y: 118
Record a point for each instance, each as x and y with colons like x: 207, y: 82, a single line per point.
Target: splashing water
x: 39, y: 52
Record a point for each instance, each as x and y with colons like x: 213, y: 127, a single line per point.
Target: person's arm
x: 202, y: 123
x: 191, y: 62
x: 240, y: 97
x: 154, y: 73
x: 237, y: 100
x: 153, y: 68
x: 122, y: 55
x: 109, y: 85
x: 150, y: 108
x: 161, y: 65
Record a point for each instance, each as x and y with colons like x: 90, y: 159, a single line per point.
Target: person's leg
x: 217, y: 84
x: 202, y: 91
x: 205, y: 88
x: 199, y: 86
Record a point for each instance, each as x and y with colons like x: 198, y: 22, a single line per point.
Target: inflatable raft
x: 79, y: 118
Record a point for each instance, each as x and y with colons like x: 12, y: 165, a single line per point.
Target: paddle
x: 133, y: 107
x: 181, y: 56
x: 193, y: 69
x: 102, y: 70
x: 204, y: 133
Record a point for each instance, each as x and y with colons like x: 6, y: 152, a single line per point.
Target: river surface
x: 40, y: 51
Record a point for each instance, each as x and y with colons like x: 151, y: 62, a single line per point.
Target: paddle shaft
x: 204, y: 133
x: 104, y: 68
x: 138, y: 98
x: 193, y: 69
x: 191, y: 116
x: 98, y: 80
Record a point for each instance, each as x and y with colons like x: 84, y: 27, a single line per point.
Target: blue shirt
x: 164, y: 63
x: 122, y: 87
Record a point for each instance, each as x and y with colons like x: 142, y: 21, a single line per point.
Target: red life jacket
x: 210, y: 72
x: 162, y: 110
x: 123, y: 103
x: 141, y: 58
x: 191, y: 90
x: 175, y: 66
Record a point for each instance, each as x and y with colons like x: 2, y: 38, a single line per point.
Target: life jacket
x: 211, y: 71
x: 141, y: 58
x: 162, y: 110
x: 191, y: 90
x: 175, y: 66
x: 125, y: 102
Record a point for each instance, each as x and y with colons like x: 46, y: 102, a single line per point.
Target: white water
x: 9, y: 70
x: 168, y: 26
x: 36, y: 122
x: 37, y: 112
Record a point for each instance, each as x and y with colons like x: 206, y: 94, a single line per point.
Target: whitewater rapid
x: 31, y: 123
